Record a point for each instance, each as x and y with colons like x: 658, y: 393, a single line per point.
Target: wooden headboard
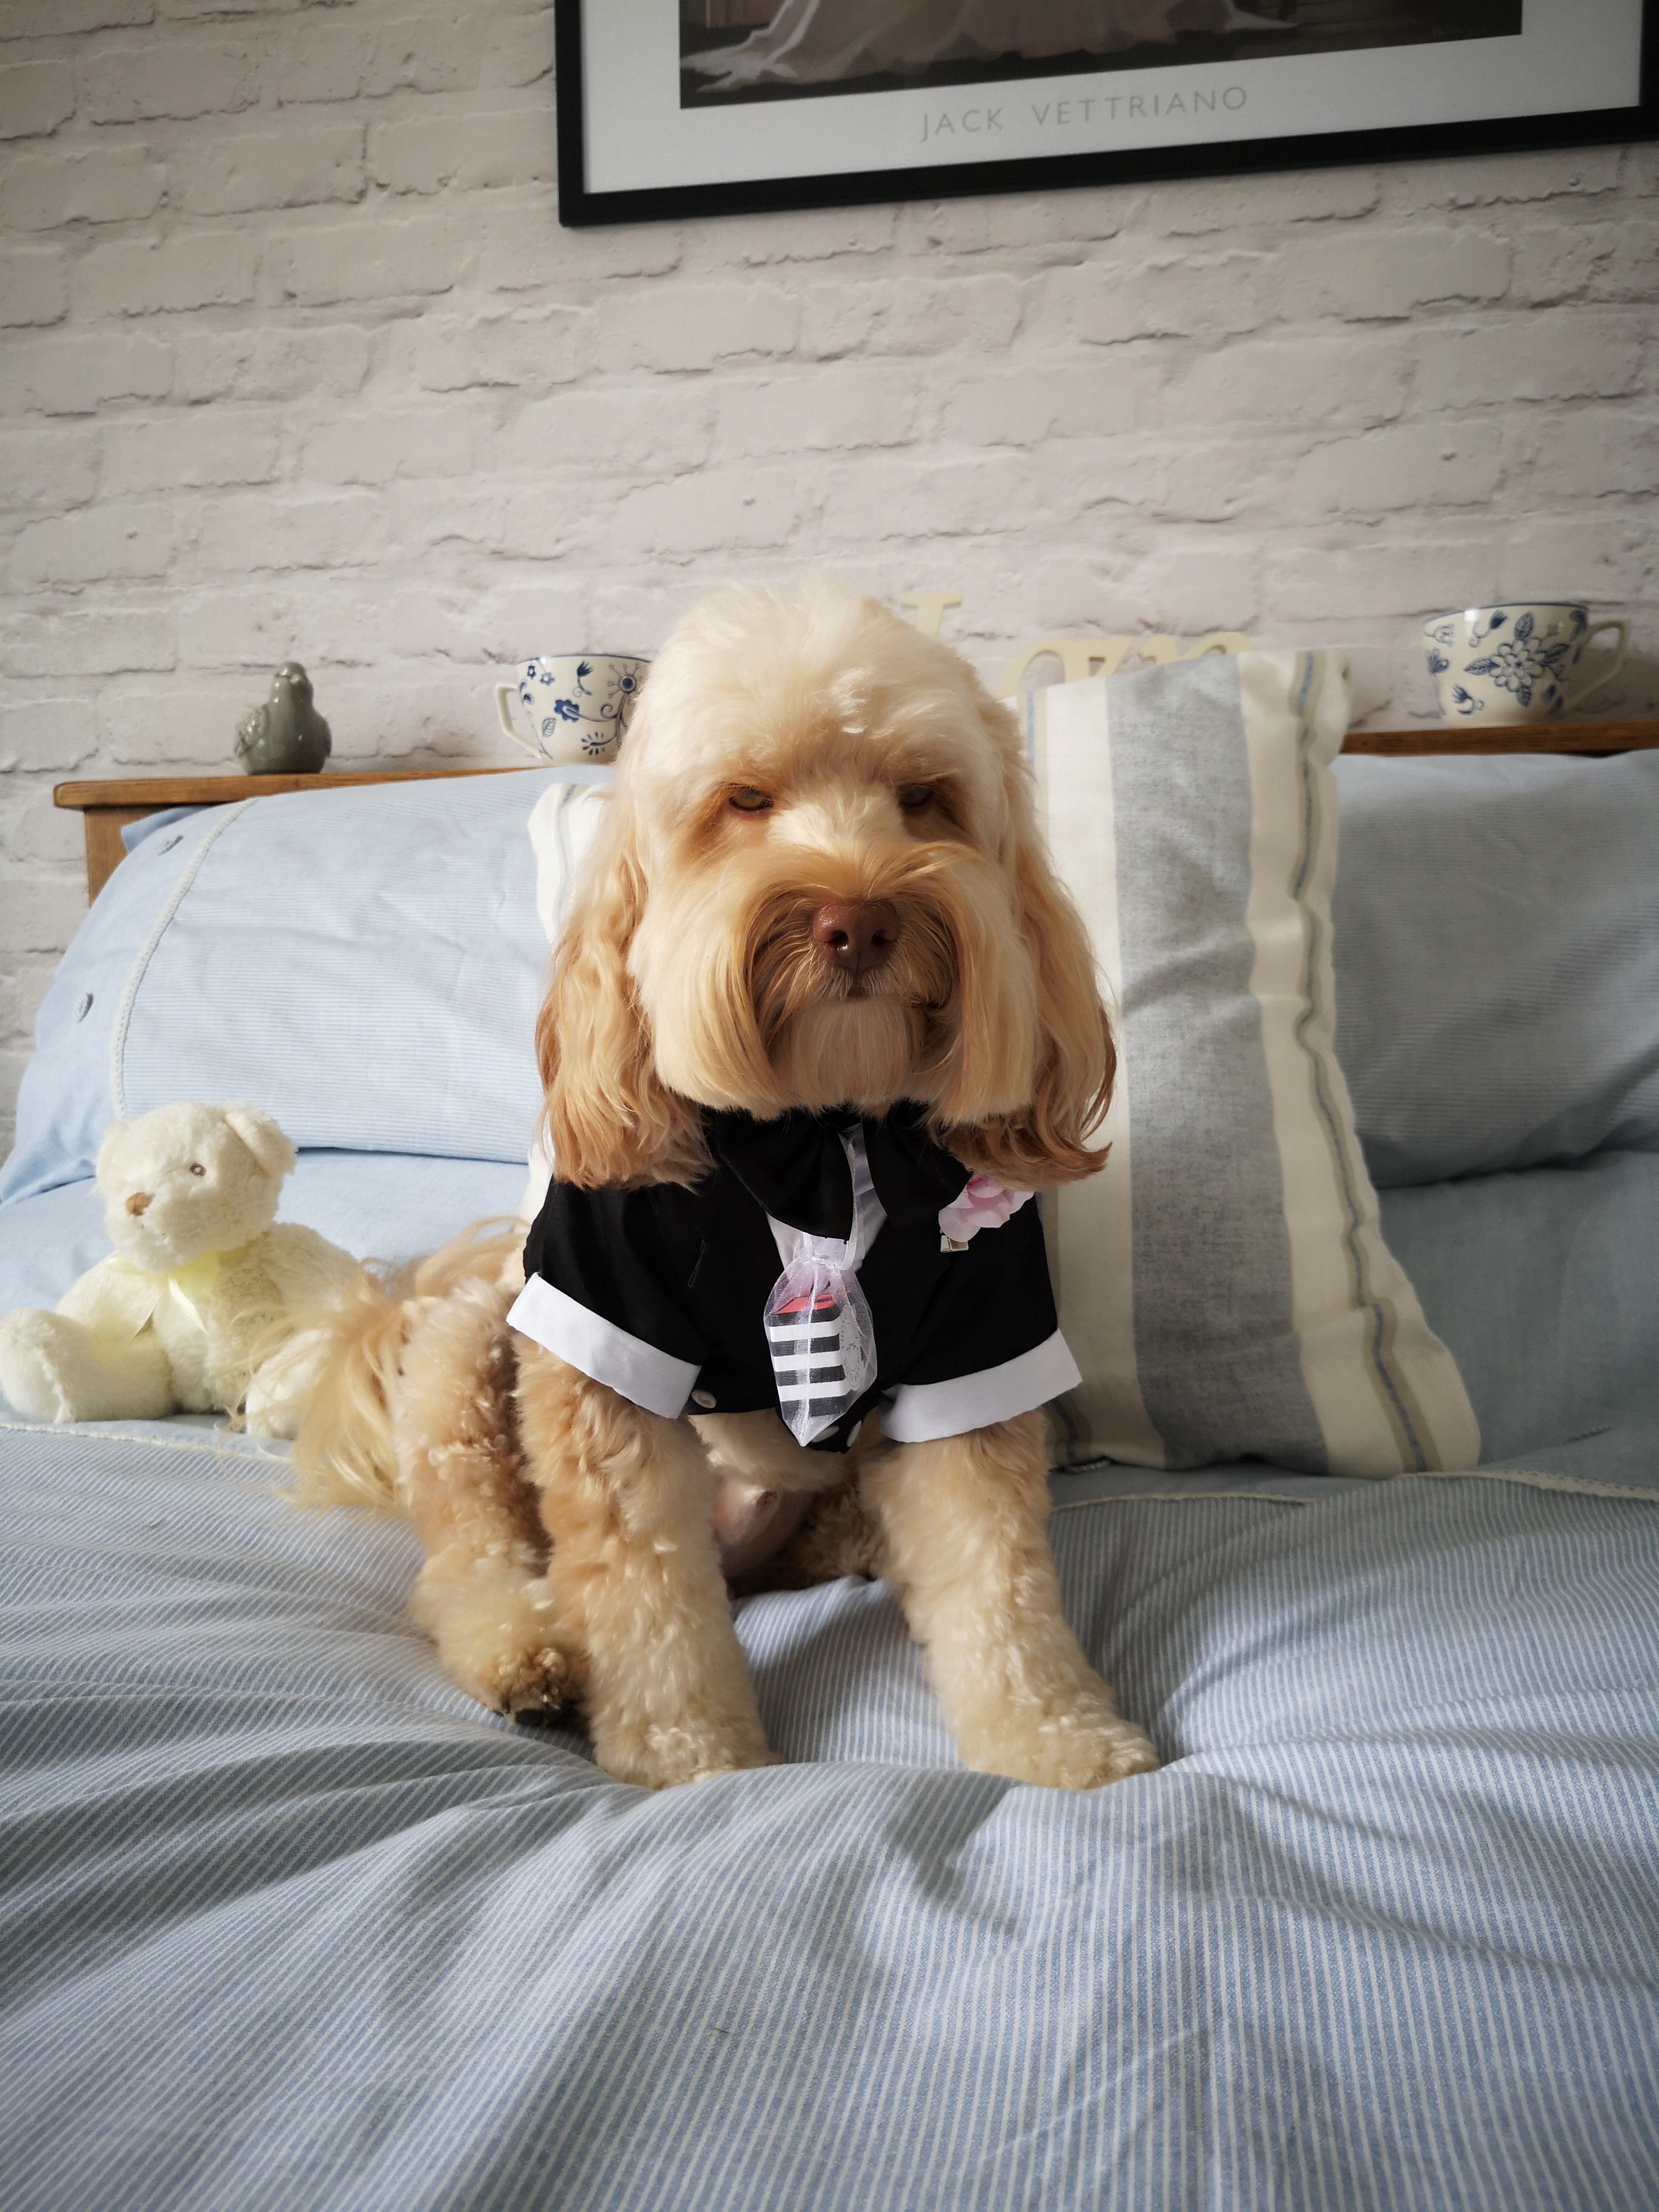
x: 106, y: 808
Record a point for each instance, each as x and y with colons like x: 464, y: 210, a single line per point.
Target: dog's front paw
x: 535, y: 1688
x: 497, y: 1639
x: 653, y: 1756
x: 1077, y: 1747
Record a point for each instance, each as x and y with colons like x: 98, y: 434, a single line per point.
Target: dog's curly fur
x: 785, y: 753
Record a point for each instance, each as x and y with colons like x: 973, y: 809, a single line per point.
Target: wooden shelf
x: 1600, y: 738
x: 149, y: 793
x: 108, y: 807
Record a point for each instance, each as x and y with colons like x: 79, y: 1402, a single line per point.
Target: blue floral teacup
x: 1515, y: 663
x: 578, y: 704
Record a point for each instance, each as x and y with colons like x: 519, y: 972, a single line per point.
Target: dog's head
x: 820, y: 882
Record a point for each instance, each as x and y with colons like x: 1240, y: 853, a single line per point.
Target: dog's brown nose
x: 858, y: 935
x: 138, y: 1201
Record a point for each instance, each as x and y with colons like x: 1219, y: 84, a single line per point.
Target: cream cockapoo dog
x: 819, y: 973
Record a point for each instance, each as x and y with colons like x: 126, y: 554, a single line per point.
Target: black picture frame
x: 580, y: 207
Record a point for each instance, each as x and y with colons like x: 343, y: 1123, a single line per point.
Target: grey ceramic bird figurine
x: 286, y: 736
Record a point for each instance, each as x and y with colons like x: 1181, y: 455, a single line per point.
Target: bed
x: 286, y: 1920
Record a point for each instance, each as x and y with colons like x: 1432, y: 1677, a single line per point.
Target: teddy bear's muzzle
x: 137, y: 1202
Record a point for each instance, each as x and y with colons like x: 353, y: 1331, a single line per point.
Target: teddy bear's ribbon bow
x: 190, y: 1286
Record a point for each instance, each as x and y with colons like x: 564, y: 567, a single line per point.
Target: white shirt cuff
x: 627, y: 1364
x: 919, y: 1412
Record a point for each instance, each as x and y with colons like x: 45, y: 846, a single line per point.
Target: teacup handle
x: 503, y: 693
x: 1606, y: 676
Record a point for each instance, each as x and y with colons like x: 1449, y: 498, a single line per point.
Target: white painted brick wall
x: 297, y: 361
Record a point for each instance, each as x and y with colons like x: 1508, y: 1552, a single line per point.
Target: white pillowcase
x: 1223, y: 1283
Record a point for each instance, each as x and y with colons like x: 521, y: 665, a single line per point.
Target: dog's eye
x: 912, y: 797
x: 748, y: 800
x: 196, y: 1167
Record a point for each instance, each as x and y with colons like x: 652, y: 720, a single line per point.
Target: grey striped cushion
x: 1224, y: 1284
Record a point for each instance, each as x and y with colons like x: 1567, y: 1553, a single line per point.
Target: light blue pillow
x: 363, y: 963
x: 1496, y: 954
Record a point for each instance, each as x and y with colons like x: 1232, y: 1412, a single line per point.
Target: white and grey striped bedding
x: 285, y: 1922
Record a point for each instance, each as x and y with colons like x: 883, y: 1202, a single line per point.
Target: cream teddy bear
x: 195, y: 1291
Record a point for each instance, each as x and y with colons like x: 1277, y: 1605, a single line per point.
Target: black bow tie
x: 796, y: 1167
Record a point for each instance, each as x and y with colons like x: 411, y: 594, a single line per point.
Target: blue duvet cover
x: 286, y: 1920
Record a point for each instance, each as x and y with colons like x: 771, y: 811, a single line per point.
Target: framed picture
x: 680, y: 108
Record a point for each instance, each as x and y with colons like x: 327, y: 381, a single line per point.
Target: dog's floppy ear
x: 612, y: 1123
x: 1047, y: 1142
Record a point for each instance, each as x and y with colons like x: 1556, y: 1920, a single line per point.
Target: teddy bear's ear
x: 269, y: 1146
